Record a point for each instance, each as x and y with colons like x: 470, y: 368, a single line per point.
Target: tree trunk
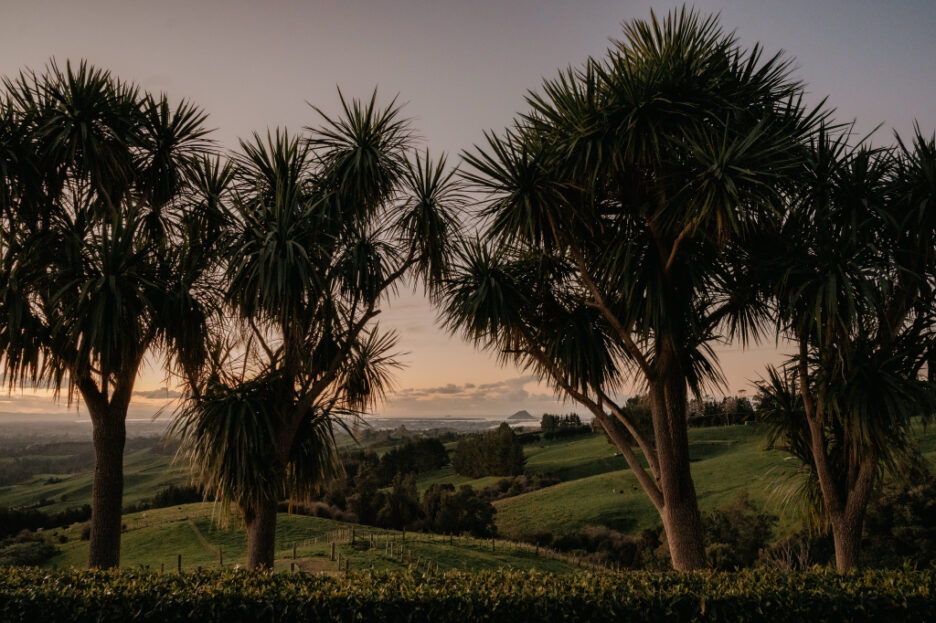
x: 261, y: 534
x: 110, y: 433
x: 684, y: 534
x: 680, y: 513
x: 846, y: 535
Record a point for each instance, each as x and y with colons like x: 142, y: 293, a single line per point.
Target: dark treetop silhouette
x: 322, y: 229
x: 107, y: 236
x: 616, y: 216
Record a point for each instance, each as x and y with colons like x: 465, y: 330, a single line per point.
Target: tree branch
x: 646, y: 481
x: 673, y: 250
x: 830, y: 490
x: 266, y: 348
x: 645, y: 446
x: 629, y: 345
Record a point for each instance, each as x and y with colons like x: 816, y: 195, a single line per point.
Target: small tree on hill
x: 852, y: 269
x: 323, y: 229
x: 495, y: 453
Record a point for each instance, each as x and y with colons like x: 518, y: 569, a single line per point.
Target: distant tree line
x: 725, y: 412
x: 509, y: 487
x: 421, y: 455
x: 441, y: 508
x: 494, y: 453
x: 559, y: 426
x: 173, y: 495
x: 13, y: 521
x: 381, y: 491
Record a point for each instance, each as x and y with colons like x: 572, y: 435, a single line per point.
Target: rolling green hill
x: 145, y: 473
x: 596, y: 487
x: 205, y: 538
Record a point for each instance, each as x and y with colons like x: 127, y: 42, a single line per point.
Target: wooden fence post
x: 180, y: 563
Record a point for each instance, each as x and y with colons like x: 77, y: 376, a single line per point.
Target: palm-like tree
x: 105, y: 245
x: 323, y: 229
x: 852, y: 273
x: 614, y: 251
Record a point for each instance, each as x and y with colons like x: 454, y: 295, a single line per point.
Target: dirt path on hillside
x: 201, y: 537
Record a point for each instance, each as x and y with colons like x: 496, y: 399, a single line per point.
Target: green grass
x: 145, y: 473
x: 156, y: 538
x: 726, y: 460
x: 597, y: 489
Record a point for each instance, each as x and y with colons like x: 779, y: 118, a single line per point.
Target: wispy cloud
x: 42, y: 405
x: 161, y: 393
x: 498, y: 398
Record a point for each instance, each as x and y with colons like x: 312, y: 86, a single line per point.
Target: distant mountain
x: 522, y: 415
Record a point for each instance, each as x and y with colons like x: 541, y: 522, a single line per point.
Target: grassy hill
x: 145, y: 472
x: 725, y: 461
x: 596, y: 487
x: 156, y: 538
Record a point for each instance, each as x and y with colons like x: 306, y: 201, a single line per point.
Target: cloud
x: 41, y: 406
x: 485, y: 399
x: 156, y: 394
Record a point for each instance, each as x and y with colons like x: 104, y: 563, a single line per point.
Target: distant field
x: 155, y: 538
x: 597, y: 489
x: 726, y: 461
x: 145, y: 473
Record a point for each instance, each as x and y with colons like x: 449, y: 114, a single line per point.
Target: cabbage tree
x: 616, y: 214
x: 324, y: 227
x: 106, y: 247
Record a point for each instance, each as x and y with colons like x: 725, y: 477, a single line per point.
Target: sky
x: 460, y: 68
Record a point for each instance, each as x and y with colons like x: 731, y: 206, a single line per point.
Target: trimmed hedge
x: 32, y: 595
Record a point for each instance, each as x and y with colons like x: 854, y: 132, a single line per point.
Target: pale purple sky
x: 461, y: 67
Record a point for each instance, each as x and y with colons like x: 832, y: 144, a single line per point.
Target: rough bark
x: 846, y: 535
x: 261, y: 535
x: 680, y: 514
x: 107, y: 491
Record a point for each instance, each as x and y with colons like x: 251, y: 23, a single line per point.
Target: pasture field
x: 596, y: 488
x: 207, y: 538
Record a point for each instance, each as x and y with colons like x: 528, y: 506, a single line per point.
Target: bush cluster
x: 413, y: 457
x: 173, y: 495
x: 737, y: 536
x: 28, y: 595
x: 509, y: 487
x: 13, y: 521
x: 559, y: 426
x: 442, y: 509
x: 495, y: 453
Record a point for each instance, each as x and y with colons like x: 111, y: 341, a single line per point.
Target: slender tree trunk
x: 680, y: 513
x: 261, y: 535
x: 684, y: 534
x: 110, y: 434
x: 846, y: 536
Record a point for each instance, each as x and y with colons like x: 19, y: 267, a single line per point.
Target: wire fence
x: 392, y: 546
